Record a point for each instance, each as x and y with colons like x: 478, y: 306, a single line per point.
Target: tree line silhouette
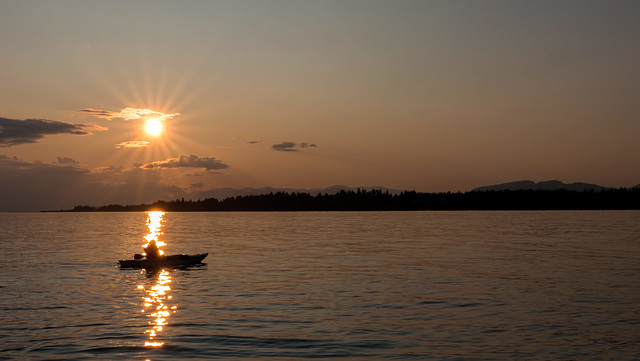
x: 378, y: 200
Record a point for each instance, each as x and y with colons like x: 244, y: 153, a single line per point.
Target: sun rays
x: 151, y: 147
x: 148, y: 87
x: 148, y: 126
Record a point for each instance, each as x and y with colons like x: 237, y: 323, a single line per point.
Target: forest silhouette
x: 378, y: 200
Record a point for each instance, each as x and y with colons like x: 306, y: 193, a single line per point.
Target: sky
x: 431, y: 96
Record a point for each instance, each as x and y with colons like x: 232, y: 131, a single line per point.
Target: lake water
x: 355, y: 286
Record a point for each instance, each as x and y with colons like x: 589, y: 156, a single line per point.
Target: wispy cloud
x: 188, y: 161
x: 97, y: 113
x: 127, y: 114
x: 291, y: 146
x: 133, y: 144
x: 16, y: 132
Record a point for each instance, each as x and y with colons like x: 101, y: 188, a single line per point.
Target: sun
x: 153, y: 127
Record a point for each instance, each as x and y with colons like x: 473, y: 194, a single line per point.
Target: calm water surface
x: 356, y: 286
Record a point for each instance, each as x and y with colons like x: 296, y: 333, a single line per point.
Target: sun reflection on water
x: 156, y: 296
x: 155, y: 220
x: 156, y: 307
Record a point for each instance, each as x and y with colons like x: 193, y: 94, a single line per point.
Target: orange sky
x: 415, y: 95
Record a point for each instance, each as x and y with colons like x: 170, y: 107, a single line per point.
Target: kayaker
x: 152, y: 250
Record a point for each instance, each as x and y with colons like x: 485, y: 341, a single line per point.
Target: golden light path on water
x: 155, y: 219
x: 156, y: 293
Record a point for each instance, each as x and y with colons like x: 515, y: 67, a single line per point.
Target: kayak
x: 173, y: 261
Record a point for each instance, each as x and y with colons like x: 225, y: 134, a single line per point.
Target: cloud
x: 16, y: 132
x: 290, y: 146
x: 110, y: 169
x: 133, y: 144
x: 67, y: 161
x: 97, y: 113
x: 127, y: 114
x: 254, y: 141
x: 35, y: 186
x: 188, y: 161
x: 285, y: 147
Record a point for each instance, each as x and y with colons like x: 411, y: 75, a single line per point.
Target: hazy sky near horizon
x: 418, y: 95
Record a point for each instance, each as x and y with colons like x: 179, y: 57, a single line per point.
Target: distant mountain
x: 222, y: 193
x: 547, y: 185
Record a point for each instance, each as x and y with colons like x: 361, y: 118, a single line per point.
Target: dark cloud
x: 254, y: 141
x: 67, y: 161
x: 197, y: 185
x: 285, y: 147
x: 35, y: 186
x: 290, y: 146
x: 16, y: 132
x: 98, y: 113
x: 188, y: 161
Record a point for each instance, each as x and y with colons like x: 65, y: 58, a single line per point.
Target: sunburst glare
x: 153, y: 126
x: 151, y: 86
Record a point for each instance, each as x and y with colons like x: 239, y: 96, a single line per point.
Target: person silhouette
x: 152, y: 250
